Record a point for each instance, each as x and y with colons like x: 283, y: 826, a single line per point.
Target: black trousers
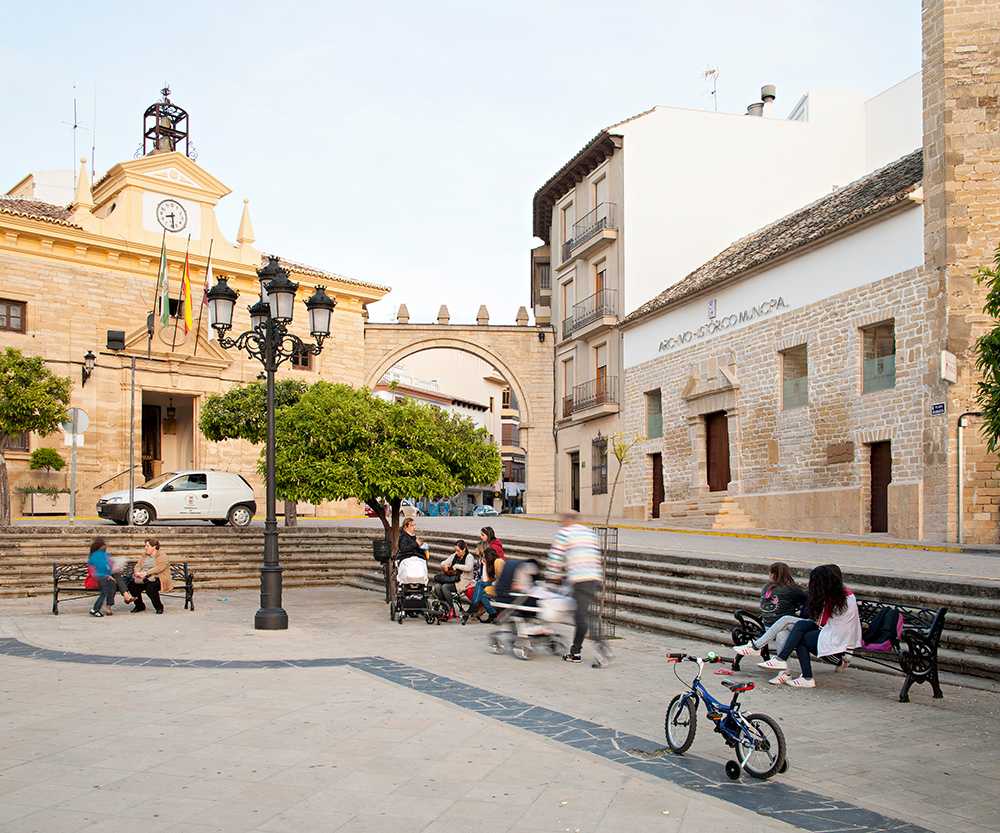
x: 584, y: 594
x: 444, y: 586
x: 151, y: 586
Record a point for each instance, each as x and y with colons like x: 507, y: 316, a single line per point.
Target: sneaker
x: 747, y: 650
x: 781, y: 679
x: 773, y: 664
x: 572, y: 658
x: 96, y: 613
x: 800, y: 682
x: 138, y: 609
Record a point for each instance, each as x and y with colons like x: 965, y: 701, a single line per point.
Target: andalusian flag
x: 163, y: 285
x: 186, y: 295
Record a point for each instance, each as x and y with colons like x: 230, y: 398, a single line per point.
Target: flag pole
x: 201, y: 310
x: 156, y: 291
x: 151, y: 317
x: 180, y: 300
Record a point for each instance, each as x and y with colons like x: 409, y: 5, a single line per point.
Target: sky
x: 401, y: 142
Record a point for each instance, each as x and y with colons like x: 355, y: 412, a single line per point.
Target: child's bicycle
x: 756, y: 738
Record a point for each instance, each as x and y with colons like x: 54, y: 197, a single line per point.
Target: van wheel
x: 220, y: 521
x: 143, y: 514
x: 240, y: 516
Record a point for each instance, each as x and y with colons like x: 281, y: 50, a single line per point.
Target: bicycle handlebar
x: 710, y: 657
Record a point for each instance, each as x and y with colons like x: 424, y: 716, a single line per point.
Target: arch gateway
x: 522, y: 354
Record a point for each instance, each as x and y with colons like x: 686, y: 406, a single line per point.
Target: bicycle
x: 757, y: 739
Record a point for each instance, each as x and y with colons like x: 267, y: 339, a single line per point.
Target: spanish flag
x: 186, y: 295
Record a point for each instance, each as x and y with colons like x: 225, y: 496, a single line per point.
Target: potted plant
x: 41, y: 499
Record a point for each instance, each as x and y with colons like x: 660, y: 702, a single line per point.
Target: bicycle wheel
x: 679, y: 724
x: 760, y: 749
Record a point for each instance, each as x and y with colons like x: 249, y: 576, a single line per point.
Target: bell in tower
x: 165, y: 127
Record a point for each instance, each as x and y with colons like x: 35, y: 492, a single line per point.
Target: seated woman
x: 151, y: 575
x: 780, y: 602
x: 493, y: 561
x: 835, y: 626
x: 455, y: 576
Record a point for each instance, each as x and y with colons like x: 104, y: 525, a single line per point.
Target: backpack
x: 883, y: 631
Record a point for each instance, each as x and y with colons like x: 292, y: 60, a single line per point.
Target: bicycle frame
x: 731, y: 729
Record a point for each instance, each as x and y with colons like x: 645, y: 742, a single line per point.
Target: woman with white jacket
x: 834, y: 627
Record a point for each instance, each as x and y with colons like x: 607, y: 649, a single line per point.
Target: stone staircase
x: 684, y: 596
x: 712, y: 511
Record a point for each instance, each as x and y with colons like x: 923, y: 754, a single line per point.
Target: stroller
x: 528, y: 611
x: 413, y: 598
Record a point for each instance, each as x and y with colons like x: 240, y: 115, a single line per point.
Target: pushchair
x: 529, y: 612
x: 413, y: 598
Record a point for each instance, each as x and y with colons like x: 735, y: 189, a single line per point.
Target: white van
x: 218, y: 496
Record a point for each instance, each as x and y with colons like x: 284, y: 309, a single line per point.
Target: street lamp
x: 269, y: 341
x: 89, y: 363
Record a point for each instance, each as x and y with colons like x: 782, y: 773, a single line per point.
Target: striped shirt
x: 574, y: 554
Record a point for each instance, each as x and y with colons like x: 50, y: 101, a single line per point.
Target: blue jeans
x: 803, y: 639
x: 479, y: 596
x: 106, y: 592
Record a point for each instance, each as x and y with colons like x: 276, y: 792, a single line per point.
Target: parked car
x: 218, y: 496
x: 407, y: 509
x: 484, y: 510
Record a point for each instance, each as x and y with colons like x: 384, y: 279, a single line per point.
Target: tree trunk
x: 291, y: 515
x: 4, y: 488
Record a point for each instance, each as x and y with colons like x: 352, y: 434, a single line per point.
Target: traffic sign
x: 77, y: 422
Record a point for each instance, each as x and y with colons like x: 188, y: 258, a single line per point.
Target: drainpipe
x: 961, y: 469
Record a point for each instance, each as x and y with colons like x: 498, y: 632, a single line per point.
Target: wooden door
x: 717, y: 451
x: 656, y: 460
x: 574, y: 480
x: 150, y: 432
x: 881, y: 466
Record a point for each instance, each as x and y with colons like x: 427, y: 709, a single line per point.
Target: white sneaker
x: 747, y: 650
x: 800, y: 682
x: 781, y: 679
x: 773, y: 664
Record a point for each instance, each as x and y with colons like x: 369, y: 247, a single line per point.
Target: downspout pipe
x: 961, y: 471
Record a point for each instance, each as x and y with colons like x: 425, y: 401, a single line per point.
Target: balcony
x: 591, y: 232
x: 595, y: 398
x: 591, y: 314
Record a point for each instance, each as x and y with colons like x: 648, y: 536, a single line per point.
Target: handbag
x: 91, y: 582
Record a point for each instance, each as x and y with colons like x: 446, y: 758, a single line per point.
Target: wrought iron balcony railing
x: 589, y: 226
x: 596, y: 306
x: 600, y: 391
x: 567, y: 407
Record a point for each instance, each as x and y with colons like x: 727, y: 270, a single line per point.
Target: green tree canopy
x: 32, y: 398
x: 338, y: 442
x: 988, y: 357
x: 241, y: 412
x: 46, y: 458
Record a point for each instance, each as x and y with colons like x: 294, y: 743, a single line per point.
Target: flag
x: 204, y: 298
x: 163, y: 285
x: 186, y: 295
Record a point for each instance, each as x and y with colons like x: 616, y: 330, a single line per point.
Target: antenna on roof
x: 75, y: 125
x: 93, y: 141
x: 713, y: 76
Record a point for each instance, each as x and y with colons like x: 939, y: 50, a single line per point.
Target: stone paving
x: 371, y: 725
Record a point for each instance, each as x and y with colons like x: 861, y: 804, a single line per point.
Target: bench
x: 69, y: 579
x: 915, y: 654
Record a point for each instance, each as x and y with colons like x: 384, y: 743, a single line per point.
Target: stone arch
x: 448, y: 343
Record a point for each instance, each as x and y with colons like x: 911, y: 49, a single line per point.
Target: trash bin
x: 380, y: 550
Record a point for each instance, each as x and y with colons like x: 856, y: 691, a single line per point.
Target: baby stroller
x: 529, y: 610
x: 412, y: 592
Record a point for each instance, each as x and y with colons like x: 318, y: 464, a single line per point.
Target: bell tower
x: 165, y: 127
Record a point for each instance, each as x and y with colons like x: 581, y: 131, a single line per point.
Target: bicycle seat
x: 739, y: 685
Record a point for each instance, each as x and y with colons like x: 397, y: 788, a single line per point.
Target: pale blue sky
x: 402, y: 142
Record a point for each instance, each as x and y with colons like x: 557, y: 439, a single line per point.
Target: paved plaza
x: 347, y: 721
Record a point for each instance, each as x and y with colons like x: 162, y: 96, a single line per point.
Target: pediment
x: 711, y: 377
x: 163, y: 172
x: 171, y: 345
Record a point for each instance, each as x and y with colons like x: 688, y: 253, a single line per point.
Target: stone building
x: 813, y: 375
x: 70, y: 273
x: 650, y: 198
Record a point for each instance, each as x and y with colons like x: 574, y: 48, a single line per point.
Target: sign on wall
x: 717, y: 325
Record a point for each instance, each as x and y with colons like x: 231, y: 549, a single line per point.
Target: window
x: 513, y: 471
x: 187, y: 483
x: 654, y: 414
x: 567, y: 298
x: 600, y: 273
x: 505, y: 402
x: 17, y: 442
x: 879, y: 357
x: 12, y: 315
x: 511, y: 433
x: 601, y: 366
x: 599, y: 466
x: 491, y: 404
x: 302, y: 360
x: 600, y: 190
x: 794, y: 377
x: 567, y: 219
x: 567, y: 381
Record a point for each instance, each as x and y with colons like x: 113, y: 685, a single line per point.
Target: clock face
x: 171, y: 215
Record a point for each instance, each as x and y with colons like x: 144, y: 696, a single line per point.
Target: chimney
x: 767, y: 97
x: 756, y: 109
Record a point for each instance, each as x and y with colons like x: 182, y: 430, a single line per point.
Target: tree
x: 46, y: 459
x: 33, y: 399
x: 988, y: 357
x: 620, y: 448
x: 241, y: 414
x: 338, y: 442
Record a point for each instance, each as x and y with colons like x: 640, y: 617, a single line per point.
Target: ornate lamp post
x: 269, y: 341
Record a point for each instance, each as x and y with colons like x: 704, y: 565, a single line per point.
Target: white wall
x: 894, y: 122
x: 870, y: 254
x: 697, y: 181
